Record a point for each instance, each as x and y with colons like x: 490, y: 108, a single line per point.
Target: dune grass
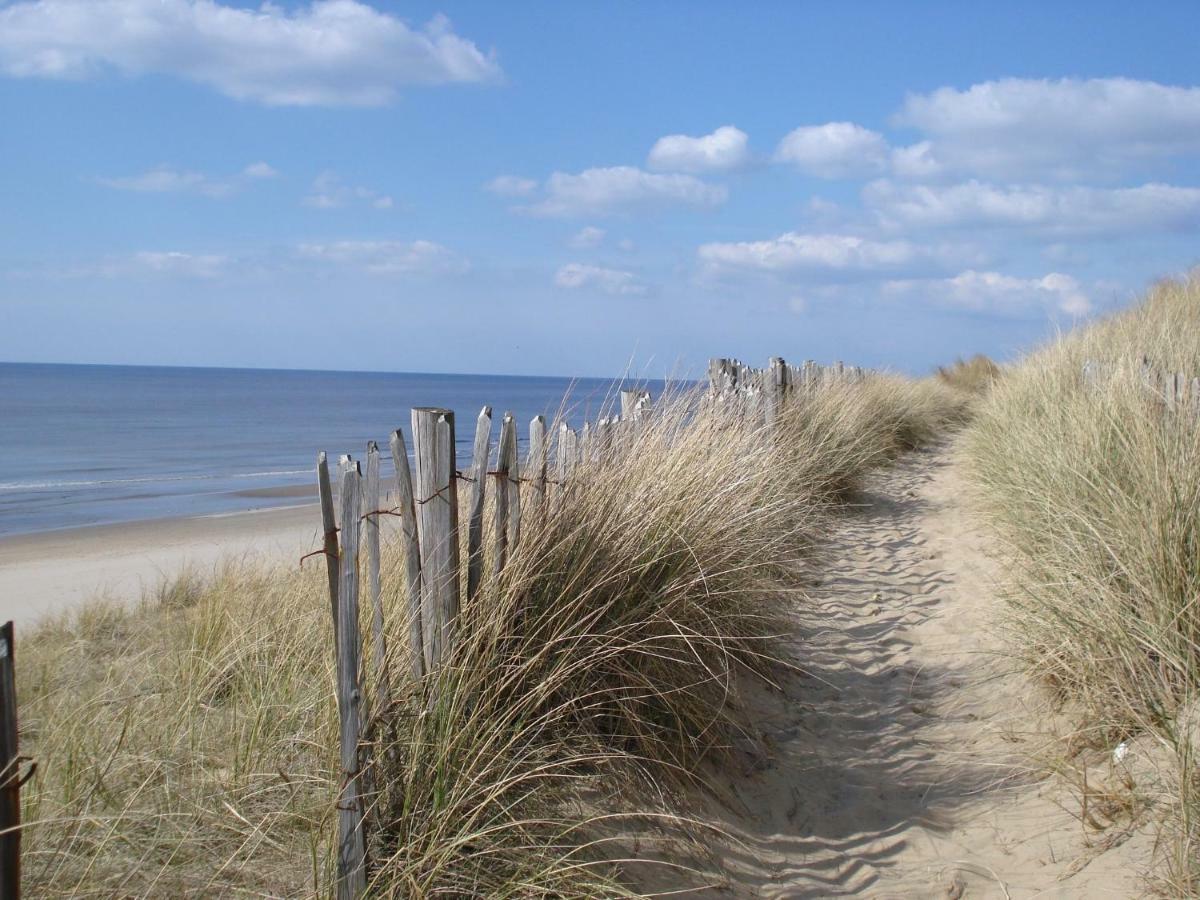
x: 1097, y: 491
x: 974, y: 376
x: 187, y: 746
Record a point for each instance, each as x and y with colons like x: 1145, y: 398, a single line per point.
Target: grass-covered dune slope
x: 188, y: 746
x: 1095, y: 485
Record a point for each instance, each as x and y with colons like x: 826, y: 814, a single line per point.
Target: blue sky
x: 568, y: 189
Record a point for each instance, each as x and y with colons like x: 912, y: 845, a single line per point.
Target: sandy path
x: 901, y: 764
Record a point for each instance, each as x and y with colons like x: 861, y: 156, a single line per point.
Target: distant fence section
x: 1173, y: 391
x: 437, y: 577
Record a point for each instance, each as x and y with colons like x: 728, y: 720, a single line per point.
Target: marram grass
x: 1097, y: 493
x: 187, y: 746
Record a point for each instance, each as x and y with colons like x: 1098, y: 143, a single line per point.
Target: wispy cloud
x: 330, y: 192
x: 588, y: 237
x: 840, y: 254
x: 387, y: 257
x: 325, y: 53
x: 726, y: 148
x: 1038, y: 209
x: 511, y: 186
x: 997, y: 293
x: 618, y: 189
x: 164, y: 179
x: 580, y: 276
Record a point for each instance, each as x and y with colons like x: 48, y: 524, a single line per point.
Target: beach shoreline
x: 46, y: 572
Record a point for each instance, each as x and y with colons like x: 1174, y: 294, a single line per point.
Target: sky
x: 585, y: 189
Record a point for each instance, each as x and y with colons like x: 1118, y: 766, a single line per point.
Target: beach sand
x: 51, y: 571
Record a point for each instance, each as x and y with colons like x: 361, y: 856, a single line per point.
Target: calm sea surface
x: 86, y: 445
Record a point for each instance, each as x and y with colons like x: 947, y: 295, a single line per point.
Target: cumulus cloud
x: 795, y: 252
x: 1072, y: 210
x: 576, y: 276
x: 387, y: 257
x: 328, y: 52
x: 623, y: 188
x: 724, y: 149
x: 1066, y: 128
x: 329, y: 192
x: 511, y: 186
x: 834, y: 150
x: 998, y: 293
x: 587, y: 237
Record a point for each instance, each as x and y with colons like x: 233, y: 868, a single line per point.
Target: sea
x: 91, y: 445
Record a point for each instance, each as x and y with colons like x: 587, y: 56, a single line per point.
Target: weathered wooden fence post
x: 10, y: 772
x: 508, y: 484
x: 437, y: 529
x: 412, y: 553
x: 329, y: 527
x: 629, y: 400
x: 480, y: 454
x: 777, y: 384
x: 352, y: 852
x: 536, y: 464
x: 568, y: 454
x: 371, y: 526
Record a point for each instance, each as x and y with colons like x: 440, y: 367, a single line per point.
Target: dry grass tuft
x: 974, y: 376
x: 187, y: 746
x: 1097, y: 492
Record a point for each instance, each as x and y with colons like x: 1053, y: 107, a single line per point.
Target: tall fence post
x: 329, y: 527
x: 10, y: 774
x: 567, y: 454
x: 352, y: 852
x: 537, y: 462
x: 412, y: 553
x: 437, y: 529
x: 508, y: 493
x: 371, y: 526
x: 479, y: 469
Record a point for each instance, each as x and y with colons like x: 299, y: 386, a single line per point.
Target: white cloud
x: 176, y: 263
x: 329, y: 52
x: 996, y: 292
x: 1068, y: 128
x: 511, y: 186
x: 259, y: 170
x: 1073, y: 210
x: 622, y: 188
x: 588, y: 237
x: 387, y: 257
x: 167, y: 180
x: 793, y: 252
x: 578, y: 276
x: 834, y: 150
x: 329, y: 192
x: 724, y: 149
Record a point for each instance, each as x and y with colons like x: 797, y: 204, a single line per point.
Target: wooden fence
x: 426, y: 501
x: 1173, y: 391
x: 11, y: 779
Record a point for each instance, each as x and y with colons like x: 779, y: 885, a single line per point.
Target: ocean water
x: 89, y: 445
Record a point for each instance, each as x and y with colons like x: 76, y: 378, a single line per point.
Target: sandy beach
x: 50, y: 571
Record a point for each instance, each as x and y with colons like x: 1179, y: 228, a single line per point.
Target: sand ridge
x: 901, y: 763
